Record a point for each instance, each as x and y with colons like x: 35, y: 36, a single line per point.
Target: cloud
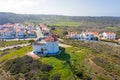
x: 34, y: 7
x: 62, y: 7
x: 20, y: 6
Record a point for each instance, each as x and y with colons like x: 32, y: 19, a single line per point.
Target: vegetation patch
x: 10, y: 43
x: 27, y: 66
x: 73, y: 63
x: 17, y: 53
x: 67, y: 24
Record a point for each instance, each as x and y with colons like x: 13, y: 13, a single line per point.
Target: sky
x: 62, y: 7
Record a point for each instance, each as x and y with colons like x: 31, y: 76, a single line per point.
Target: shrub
x: 46, y: 68
x: 27, y: 68
x: 55, y: 77
x: 79, y: 74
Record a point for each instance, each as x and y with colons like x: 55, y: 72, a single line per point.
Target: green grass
x: 7, y: 51
x: 105, y: 56
x: 67, y: 24
x: 10, y: 43
x: 112, y: 28
x: 64, y: 64
x: 73, y: 62
x: 67, y: 62
x: 16, y: 53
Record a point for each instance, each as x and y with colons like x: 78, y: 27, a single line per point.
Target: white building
x: 44, y: 28
x: 8, y: 34
x: 10, y: 31
x: 31, y: 34
x: 73, y: 35
x: 84, y: 36
x: 108, y: 35
x: 20, y: 33
x: 7, y: 31
x: 30, y: 27
x: 46, y: 46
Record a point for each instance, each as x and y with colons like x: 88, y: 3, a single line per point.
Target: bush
x: 55, y: 77
x: 46, y: 68
x: 31, y: 41
x: 27, y: 68
x: 79, y: 74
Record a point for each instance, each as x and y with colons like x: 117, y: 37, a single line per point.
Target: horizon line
x: 60, y: 15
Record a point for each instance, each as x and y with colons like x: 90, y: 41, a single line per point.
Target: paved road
x: 10, y: 47
x: 20, y: 39
x: 39, y: 32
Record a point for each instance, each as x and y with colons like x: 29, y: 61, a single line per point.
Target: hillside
x: 12, y: 18
x: 82, y: 61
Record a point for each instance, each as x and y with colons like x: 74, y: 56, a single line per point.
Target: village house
x: 46, y: 46
x: 31, y: 34
x: 8, y: 34
x: 45, y: 29
x: 92, y: 36
x: 73, y: 35
x: 30, y: 27
x: 20, y: 33
x: 31, y: 31
x: 96, y: 35
x: 108, y: 36
x: 7, y: 31
x: 10, y: 31
x: 84, y: 36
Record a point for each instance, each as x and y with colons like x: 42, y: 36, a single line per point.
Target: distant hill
x: 13, y: 18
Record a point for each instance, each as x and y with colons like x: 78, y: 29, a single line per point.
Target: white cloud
x: 21, y: 6
x: 33, y: 7
x: 62, y: 7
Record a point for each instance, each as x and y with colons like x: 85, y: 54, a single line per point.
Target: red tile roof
x: 109, y: 32
x: 44, y: 27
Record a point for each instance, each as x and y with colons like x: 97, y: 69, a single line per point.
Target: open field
x: 84, y: 26
x: 10, y: 43
x: 16, y: 52
x: 67, y: 24
x: 81, y: 61
x: 77, y: 61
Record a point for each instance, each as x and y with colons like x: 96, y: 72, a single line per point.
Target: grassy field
x: 106, y: 57
x: 16, y: 53
x: 112, y: 28
x: 7, y: 51
x: 60, y: 30
x: 83, y: 61
x: 67, y: 24
x: 84, y: 26
x: 10, y: 43
x: 66, y: 64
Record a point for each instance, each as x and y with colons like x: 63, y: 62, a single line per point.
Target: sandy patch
x: 64, y: 45
x: 33, y: 55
